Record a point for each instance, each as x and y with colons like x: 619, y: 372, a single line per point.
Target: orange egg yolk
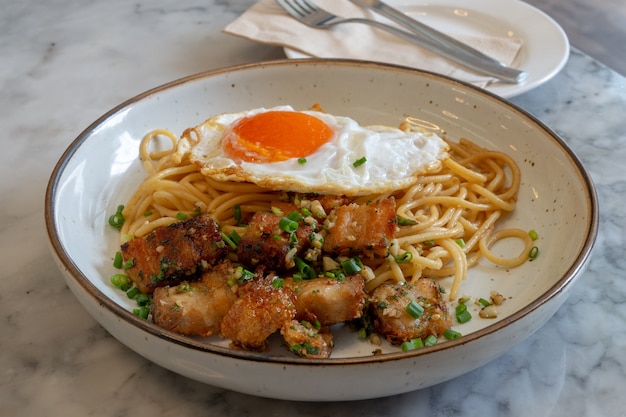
x: 275, y: 136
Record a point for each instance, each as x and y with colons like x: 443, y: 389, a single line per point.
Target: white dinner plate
x: 545, y: 50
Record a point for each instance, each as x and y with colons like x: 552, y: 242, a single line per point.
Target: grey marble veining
x: 64, y: 63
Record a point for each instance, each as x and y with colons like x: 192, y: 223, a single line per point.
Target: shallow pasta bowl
x: 100, y: 170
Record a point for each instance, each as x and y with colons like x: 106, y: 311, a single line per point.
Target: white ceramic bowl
x: 557, y: 198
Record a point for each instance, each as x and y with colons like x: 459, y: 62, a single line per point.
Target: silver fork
x: 310, y: 14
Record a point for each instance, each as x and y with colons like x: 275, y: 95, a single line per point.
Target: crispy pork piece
x: 265, y: 243
x: 173, y: 253
x: 260, y: 311
x: 196, y: 308
x: 365, y: 230
x: 306, y: 341
x: 328, y: 301
x: 388, y: 304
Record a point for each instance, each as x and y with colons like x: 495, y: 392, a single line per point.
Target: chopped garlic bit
x: 329, y: 264
x: 497, y: 298
x: 489, y: 312
x: 317, y: 209
x: 375, y: 339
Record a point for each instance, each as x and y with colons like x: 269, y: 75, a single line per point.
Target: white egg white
x: 393, y: 158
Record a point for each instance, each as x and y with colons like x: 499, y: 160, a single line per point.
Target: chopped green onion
x: 339, y: 275
x: 232, y: 239
x: 234, y: 236
x: 129, y: 263
x: 121, y: 281
x: 403, y: 221
x: 462, y: 314
x: 132, y: 293
x: 359, y: 162
x: 305, y: 347
x: 484, y: 302
x: 407, y: 346
x: 147, y: 213
x: 430, y: 340
x: 301, y: 161
x: 304, y: 268
x: 404, y: 258
x: 463, y: 317
x: 306, y: 211
x: 278, y: 283
x: 460, y: 242
x: 412, y: 344
x: 295, y: 216
x: 533, y: 234
x: 118, y: 260
x: 451, y: 334
x: 414, y: 309
x: 248, y: 275
x: 288, y: 225
x: 534, y: 251
x: 352, y: 266
x: 226, y: 238
x: 142, y: 300
x: 237, y: 213
x: 244, y: 274
x: 142, y: 312
x: 430, y: 242
x: 117, y: 220
x: 181, y: 216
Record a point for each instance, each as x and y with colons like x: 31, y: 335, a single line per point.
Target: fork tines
x: 300, y: 7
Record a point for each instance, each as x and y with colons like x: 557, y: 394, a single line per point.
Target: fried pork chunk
x: 261, y: 310
x: 388, y: 304
x: 365, y: 230
x: 305, y: 340
x: 328, y: 301
x: 173, y: 253
x: 265, y: 243
x: 196, y: 308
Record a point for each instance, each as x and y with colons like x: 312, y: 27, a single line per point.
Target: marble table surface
x: 64, y: 63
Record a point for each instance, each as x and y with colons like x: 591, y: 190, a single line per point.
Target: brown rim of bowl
x: 577, y: 266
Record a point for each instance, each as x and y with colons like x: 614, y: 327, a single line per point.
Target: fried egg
x: 310, y: 151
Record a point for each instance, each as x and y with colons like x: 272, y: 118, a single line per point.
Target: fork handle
x: 477, y: 63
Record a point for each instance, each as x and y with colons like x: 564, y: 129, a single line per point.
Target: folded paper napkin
x: 267, y: 22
